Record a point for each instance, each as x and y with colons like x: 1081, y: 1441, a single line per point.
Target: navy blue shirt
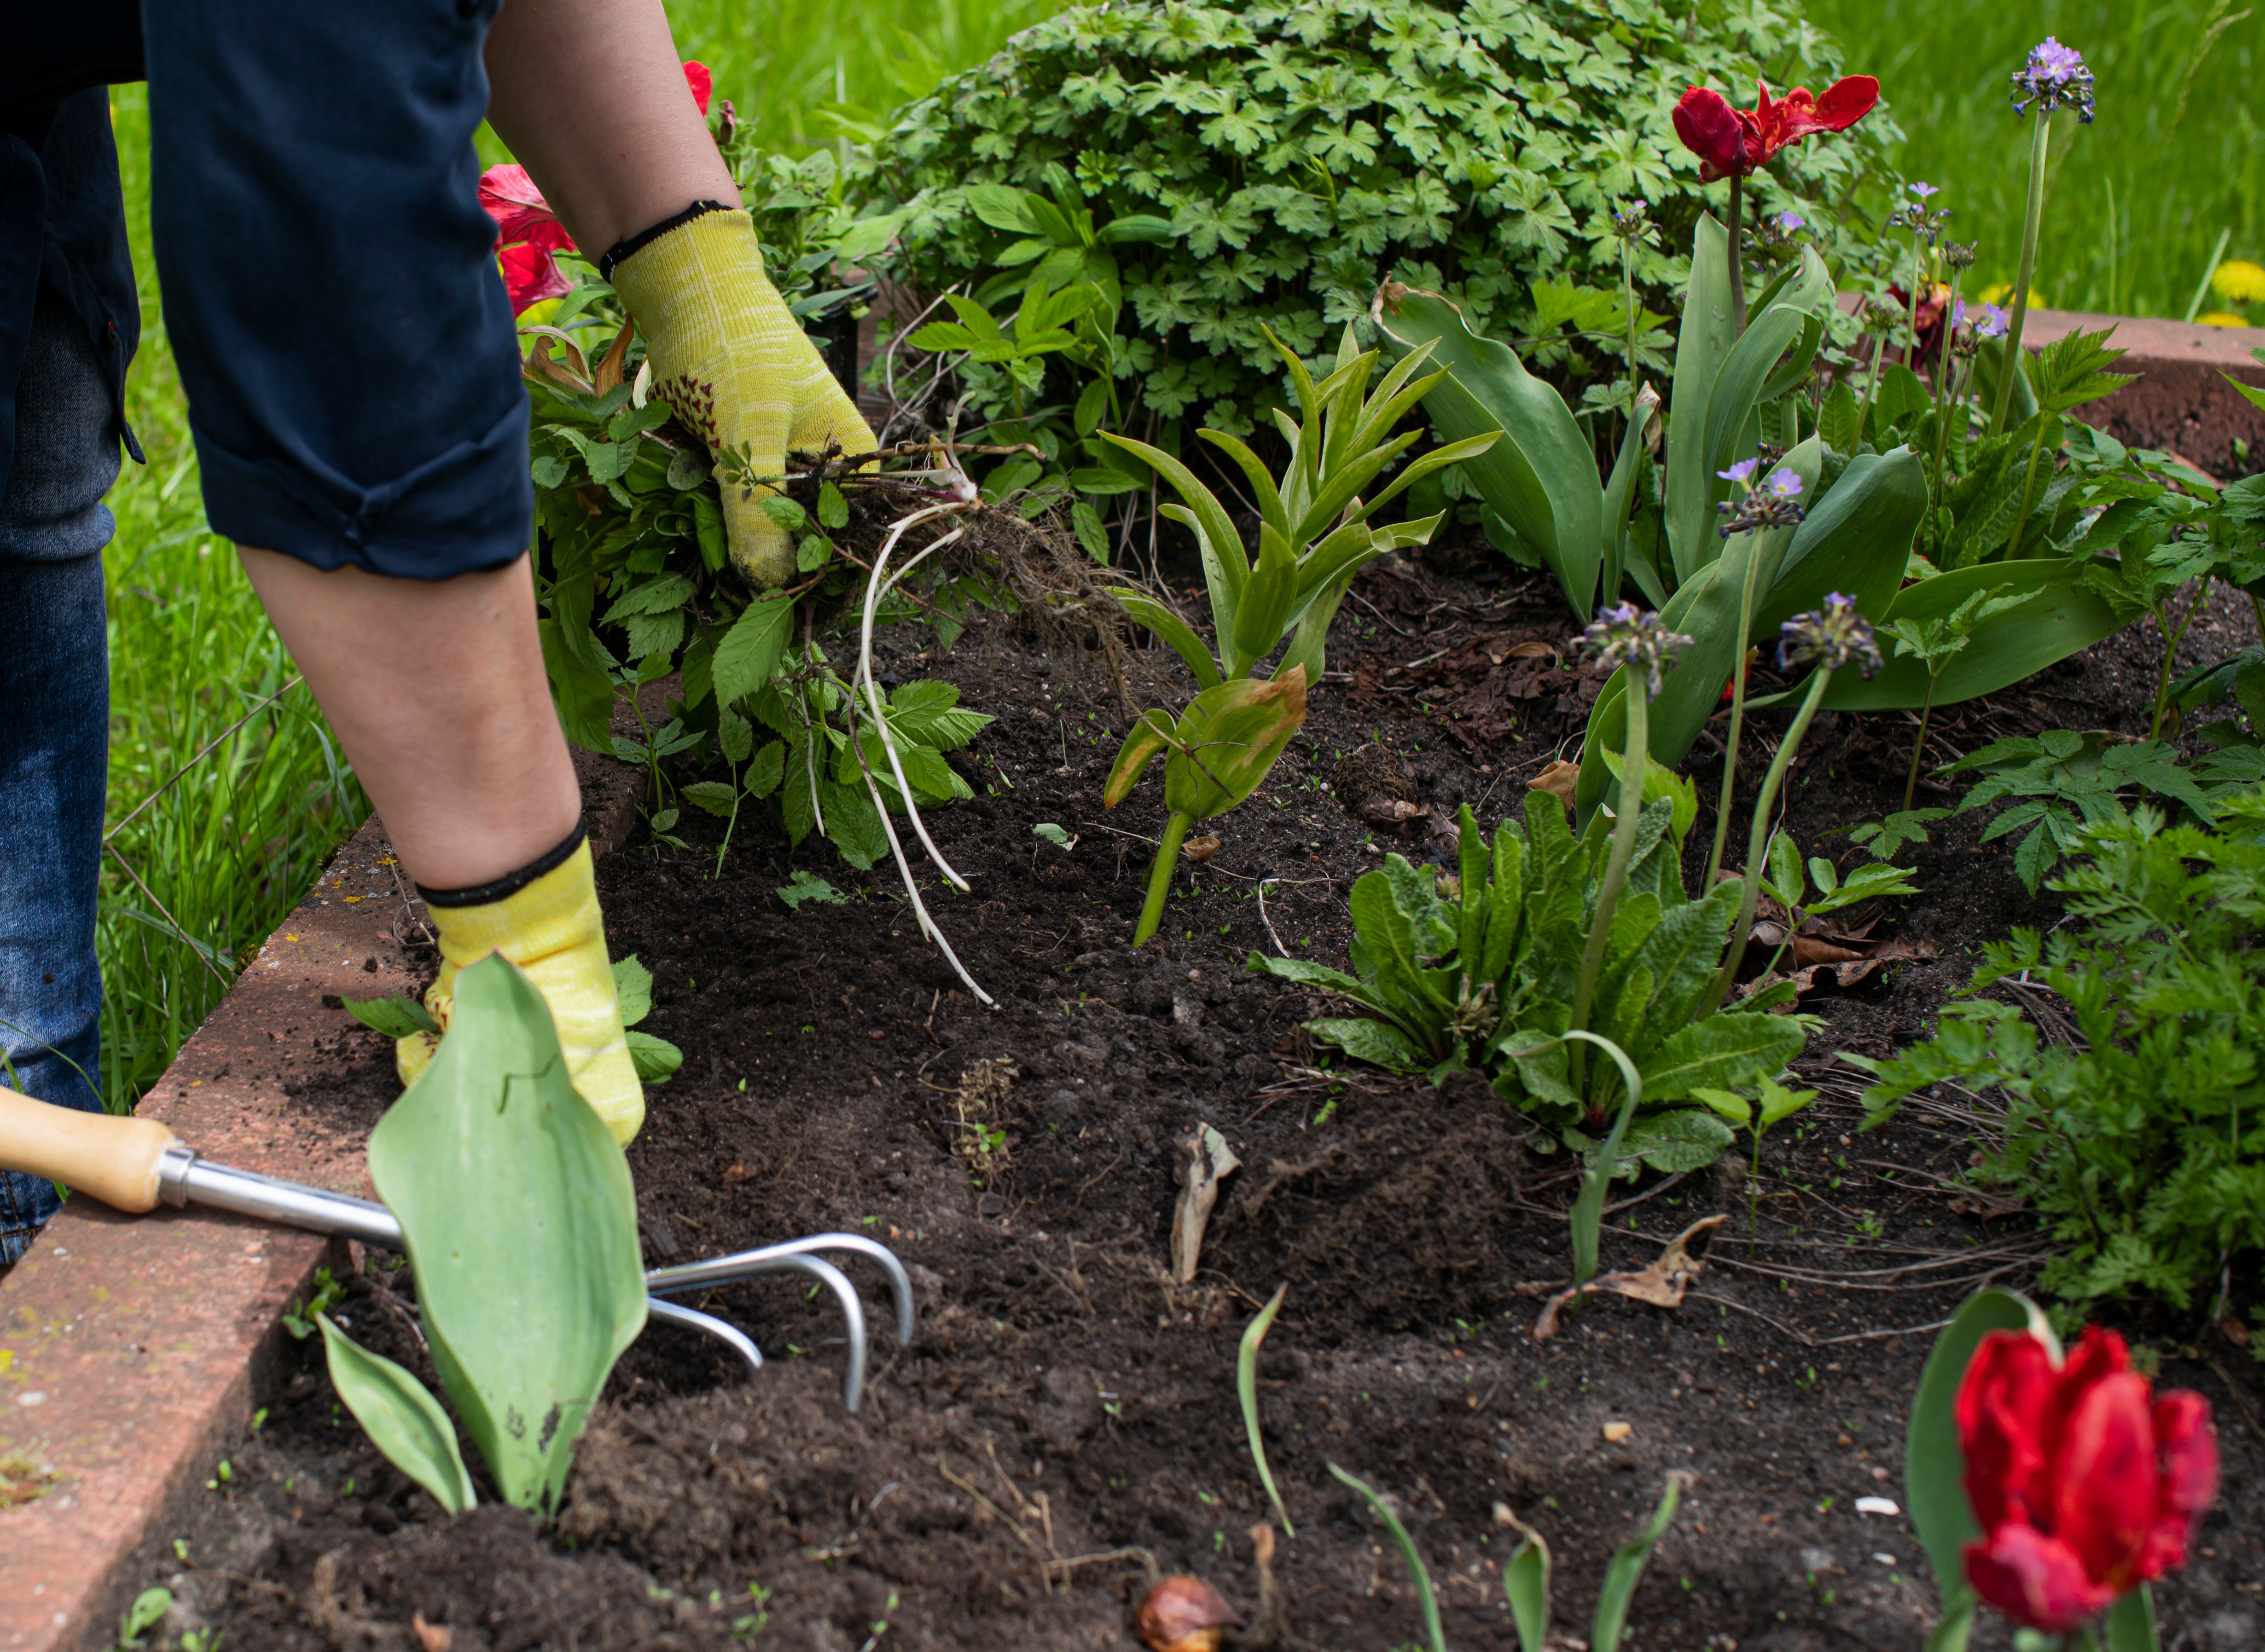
x: 349, y: 355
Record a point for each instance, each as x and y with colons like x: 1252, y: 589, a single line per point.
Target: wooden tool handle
x: 111, y: 1157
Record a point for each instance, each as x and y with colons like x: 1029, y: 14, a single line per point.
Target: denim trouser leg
x: 54, y: 714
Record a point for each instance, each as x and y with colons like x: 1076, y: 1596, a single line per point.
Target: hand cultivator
x: 136, y: 1164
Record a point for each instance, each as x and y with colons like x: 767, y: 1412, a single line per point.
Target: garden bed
x: 1067, y: 1414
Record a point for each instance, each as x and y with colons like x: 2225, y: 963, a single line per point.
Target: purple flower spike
x: 1740, y: 472
x: 1834, y: 635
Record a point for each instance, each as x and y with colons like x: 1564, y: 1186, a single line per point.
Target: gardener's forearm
x: 591, y: 98
x: 436, y: 689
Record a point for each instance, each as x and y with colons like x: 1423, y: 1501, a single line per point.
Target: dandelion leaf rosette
x: 518, y: 1218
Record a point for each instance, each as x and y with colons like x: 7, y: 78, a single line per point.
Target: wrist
x: 629, y: 246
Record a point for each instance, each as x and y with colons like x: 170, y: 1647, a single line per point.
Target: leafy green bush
x: 1302, y: 152
x: 2143, y: 1144
x: 1485, y: 981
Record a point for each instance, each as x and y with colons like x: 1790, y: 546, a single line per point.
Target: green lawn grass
x: 2137, y: 199
x: 228, y: 849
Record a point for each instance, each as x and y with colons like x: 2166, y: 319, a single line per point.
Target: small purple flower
x: 1784, y: 484
x: 1834, y: 635
x: 1958, y: 315
x: 1790, y: 221
x: 1621, y: 636
x: 1924, y: 190
x: 1775, y: 504
x: 1994, y: 322
x: 2054, y: 78
x: 1740, y: 472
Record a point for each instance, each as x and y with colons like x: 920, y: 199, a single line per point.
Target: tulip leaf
x: 1149, y: 736
x: 1226, y: 741
x: 2061, y: 619
x: 1701, y: 344
x: 1177, y: 634
x: 401, y: 1417
x: 1934, y: 1464
x: 1526, y: 1581
x: 517, y: 1216
x: 1626, y: 1568
x: 1541, y: 476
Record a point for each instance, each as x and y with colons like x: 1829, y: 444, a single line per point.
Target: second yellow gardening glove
x: 549, y: 924
x: 737, y: 369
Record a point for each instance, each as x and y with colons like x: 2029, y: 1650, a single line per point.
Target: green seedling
x: 1246, y: 1386
x: 807, y: 885
x: 298, y: 1319
x: 1526, y: 1579
x: 1776, y: 1105
x: 1935, y: 642
x: 1426, y: 1599
x: 147, y: 1610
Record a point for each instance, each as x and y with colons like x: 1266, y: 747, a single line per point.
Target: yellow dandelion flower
x: 1997, y: 292
x: 2223, y: 318
x: 2239, y: 282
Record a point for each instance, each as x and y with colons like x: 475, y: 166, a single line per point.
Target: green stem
x: 1942, y: 406
x: 1627, y: 288
x: 1737, y: 260
x: 1910, y: 323
x: 2029, y: 489
x: 2170, y: 649
x: 1758, y: 841
x: 1634, y: 761
x: 1160, y: 874
x: 2029, y: 269
x: 1738, y: 708
x: 1871, y: 387
x: 1911, y: 785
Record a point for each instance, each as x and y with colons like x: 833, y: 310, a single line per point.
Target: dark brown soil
x: 1066, y: 1416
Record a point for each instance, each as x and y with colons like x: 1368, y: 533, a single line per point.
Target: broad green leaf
x: 1152, y: 734
x: 716, y: 797
x: 1935, y: 1466
x: 1226, y: 742
x: 1703, y: 343
x: 1730, y: 1105
x: 517, y: 1216
x: 1626, y: 1568
x: 1225, y: 567
x: 401, y: 1417
x: 1526, y: 1581
x: 2130, y: 1626
x: 1857, y: 540
x: 1723, y: 1052
x: 1266, y: 603
x: 1839, y: 418
x: 1541, y: 476
x: 632, y: 989
x: 396, y: 1016
x: 1304, y: 973
x: 1391, y: 943
x: 656, y: 1060
x: 1683, y: 1139
x: 1373, y: 1042
x: 748, y: 656
x: 2062, y: 619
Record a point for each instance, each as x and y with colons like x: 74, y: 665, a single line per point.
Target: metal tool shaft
x: 184, y: 1178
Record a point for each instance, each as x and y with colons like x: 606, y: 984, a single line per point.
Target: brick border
x: 131, y: 1349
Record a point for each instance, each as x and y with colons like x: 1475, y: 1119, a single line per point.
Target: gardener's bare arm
x: 592, y: 99
x: 436, y: 689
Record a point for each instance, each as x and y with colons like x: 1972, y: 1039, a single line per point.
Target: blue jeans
x: 54, y: 715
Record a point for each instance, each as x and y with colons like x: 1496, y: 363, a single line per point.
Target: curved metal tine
x: 692, y: 1319
x: 741, y: 1264
x: 853, y: 1306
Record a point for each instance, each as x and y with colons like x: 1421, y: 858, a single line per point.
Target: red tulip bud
x: 1184, y: 1614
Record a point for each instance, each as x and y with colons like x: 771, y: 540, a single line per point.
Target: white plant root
x: 878, y: 584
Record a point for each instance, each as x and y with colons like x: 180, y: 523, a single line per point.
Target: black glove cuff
x: 642, y: 238
x: 511, y: 883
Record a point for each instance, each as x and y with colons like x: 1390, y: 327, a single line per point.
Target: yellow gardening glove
x: 551, y: 930
x: 737, y: 369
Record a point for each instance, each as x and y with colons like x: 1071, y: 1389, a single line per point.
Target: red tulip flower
x: 528, y: 234
x: 1738, y: 142
x: 2086, y: 1483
